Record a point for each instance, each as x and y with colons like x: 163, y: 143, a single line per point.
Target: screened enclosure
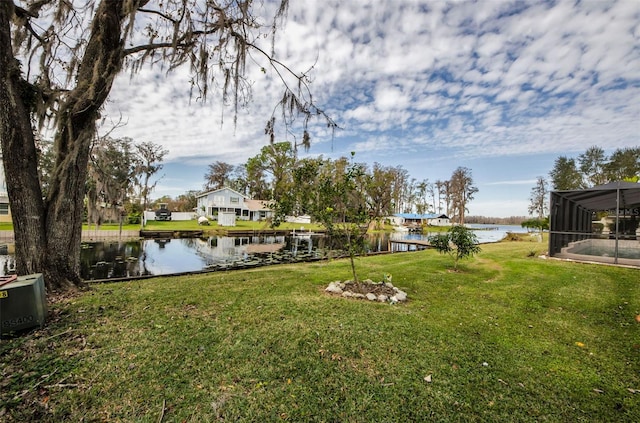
x: 596, y: 224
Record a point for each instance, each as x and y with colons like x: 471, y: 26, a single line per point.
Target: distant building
x: 414, y: 219
x: 224, y: 200
x: 5, y: 210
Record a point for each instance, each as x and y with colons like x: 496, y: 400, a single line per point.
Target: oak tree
x: 148, y: 162
x: 58, y: 61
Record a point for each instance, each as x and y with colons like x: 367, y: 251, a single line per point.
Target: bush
x: 511, y: 236
x: 459, y: 242
x: 134, y: 218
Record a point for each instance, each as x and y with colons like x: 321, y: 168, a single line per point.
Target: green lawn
x: 510, y: 338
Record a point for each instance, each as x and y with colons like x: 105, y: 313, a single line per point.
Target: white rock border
x: 337, y: 288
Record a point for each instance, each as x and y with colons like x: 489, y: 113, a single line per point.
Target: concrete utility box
x: 227, y: 219
x: 23, y: 304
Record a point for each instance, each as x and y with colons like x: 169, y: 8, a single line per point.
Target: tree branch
x: 309, y: 108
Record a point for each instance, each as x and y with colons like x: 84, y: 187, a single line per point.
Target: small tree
x: 536, y: 223
x: 459, y: 242
x: 334, y: 193
x: 539, y: 206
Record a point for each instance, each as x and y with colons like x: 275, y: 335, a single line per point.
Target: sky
x: 500, y: 87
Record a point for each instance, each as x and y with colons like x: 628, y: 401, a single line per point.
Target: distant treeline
x: 511, y: 220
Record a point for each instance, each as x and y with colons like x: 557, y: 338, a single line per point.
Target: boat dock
x: 415, y: 242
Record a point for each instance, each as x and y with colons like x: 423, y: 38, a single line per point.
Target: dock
x: 417, y: 242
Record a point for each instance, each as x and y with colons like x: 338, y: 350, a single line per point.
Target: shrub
x: 459, y: 242
x: 134, y: 218
x: 597, y: 228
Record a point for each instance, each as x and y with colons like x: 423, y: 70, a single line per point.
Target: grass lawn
x: 509, y: 338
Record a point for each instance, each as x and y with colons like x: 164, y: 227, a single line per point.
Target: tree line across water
x: 121, y: 176
x: 275, y: 174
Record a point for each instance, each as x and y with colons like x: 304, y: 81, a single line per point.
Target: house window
x: 4, y: 209
x: 235, y: 200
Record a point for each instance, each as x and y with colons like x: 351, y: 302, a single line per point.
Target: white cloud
x: 475, y: 79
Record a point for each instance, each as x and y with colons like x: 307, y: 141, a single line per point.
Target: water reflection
x: 122, y: 259
x: 106, y: 260
x: 7, y: 259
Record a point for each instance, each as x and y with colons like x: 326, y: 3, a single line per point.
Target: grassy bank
x: 241, y: 225
x: 510, y: 338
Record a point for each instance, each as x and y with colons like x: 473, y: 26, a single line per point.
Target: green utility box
x: 23, y: 304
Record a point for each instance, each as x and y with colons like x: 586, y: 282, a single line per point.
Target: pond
x: 146, y: 257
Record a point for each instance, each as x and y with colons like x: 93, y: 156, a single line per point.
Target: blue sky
x: 500, y: 87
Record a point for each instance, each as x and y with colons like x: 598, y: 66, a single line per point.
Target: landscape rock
x: 334, y: 288
x: 367, y: 289
x: 401, y: 296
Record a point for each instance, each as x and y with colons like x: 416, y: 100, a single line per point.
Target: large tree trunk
x: 48, y: 232
x: 76, y: 130
x: 20, y: 156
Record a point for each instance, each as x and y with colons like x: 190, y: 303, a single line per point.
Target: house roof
x: 421, y: 216
x: 604, y: 197
x: 206, y: 193
x: 257, y: 205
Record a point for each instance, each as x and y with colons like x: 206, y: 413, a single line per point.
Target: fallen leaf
x: 580, y: 344
x: 638, y: 318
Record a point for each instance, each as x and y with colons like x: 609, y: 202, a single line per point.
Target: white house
x: 411, y: 219
x: 211, y: 203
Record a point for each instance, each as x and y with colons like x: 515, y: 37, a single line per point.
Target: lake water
x: 122, y: 259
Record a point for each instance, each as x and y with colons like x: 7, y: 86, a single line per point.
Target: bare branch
x: 156, y: 12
